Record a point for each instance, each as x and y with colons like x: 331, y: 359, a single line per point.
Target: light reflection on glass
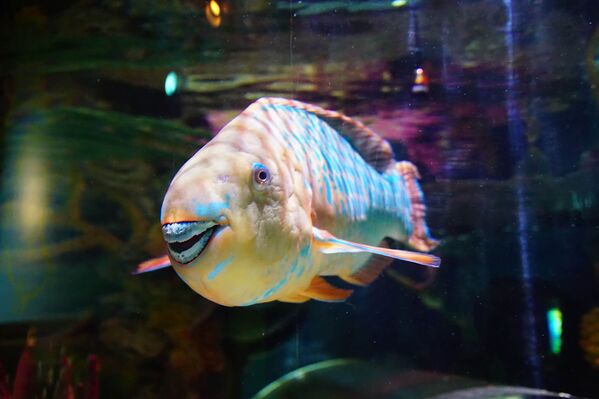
x: 554, y: 324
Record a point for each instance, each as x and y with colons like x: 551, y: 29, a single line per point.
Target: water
x: 503, y: 130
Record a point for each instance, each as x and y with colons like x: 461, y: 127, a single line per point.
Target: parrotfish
x: 284, y: 195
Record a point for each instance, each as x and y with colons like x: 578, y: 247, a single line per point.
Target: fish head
x: 233, y: 222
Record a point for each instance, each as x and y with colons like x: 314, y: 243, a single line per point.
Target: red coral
x: 4, y: 388
x: 92, y: 388
x: 24, y: 384
x: 65, y: 388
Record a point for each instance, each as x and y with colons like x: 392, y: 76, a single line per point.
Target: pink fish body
x: 284, y: 194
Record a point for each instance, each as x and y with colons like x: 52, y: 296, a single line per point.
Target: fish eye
x: 261, y: 175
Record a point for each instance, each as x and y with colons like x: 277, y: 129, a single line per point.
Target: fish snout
x: 187, y: 240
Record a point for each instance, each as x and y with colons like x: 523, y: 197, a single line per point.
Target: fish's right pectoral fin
x: 321, y: 290
x: 153, y: 264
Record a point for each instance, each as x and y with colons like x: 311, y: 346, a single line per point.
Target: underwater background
x: 494, y: 101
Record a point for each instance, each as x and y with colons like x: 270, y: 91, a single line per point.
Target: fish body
x: 284, y: 194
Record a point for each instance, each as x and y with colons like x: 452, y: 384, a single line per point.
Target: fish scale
x: 311, y: 140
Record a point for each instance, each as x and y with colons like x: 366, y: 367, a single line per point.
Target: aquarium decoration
x: 350, y: 378
x: 50, y: 376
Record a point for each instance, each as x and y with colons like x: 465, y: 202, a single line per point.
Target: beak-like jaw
x: 192, y: 213
x: 188, y: 240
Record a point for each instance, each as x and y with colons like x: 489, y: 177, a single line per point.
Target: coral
x: 4, y: 383
x: 30, y: 381
x: 25, y: 376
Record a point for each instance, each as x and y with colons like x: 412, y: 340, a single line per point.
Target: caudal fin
x: 420, y: 238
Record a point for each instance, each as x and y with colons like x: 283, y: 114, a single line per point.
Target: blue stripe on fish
x: 269, y: 292
x: 219, y: 268
x: 211, y: 209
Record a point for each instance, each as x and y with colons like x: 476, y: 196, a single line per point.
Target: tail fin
x: 420, y: 238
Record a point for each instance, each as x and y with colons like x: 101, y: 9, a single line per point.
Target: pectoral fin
x: 295, y: 298
x: 153, y: 264
x: 321, y: 290
x: 329, y: 244
x: 371, y: 270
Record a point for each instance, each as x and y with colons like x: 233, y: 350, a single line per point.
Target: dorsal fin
x: 375, y: 150
x: 420, y: 237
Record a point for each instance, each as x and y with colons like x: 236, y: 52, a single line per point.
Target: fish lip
x: 184, y: 231
x: 185, y: 252
x: 187, y: 240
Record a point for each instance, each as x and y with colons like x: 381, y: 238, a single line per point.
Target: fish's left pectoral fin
x: 329, y: 244
x: 153, y: 264
x: 322, y: 290
x: 295, y: 298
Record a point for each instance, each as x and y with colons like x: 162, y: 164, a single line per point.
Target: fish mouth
x: 187, y: 240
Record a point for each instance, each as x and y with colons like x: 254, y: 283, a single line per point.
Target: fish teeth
x: 183, y: 231
x: 189, y: 254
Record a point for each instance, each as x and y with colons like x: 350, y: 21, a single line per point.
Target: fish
x: 286, y: 195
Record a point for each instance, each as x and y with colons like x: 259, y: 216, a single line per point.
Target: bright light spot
x: 300, y: 375
x: 420, y: 78
x: 554, y: 324
x: 214, y: 8
x: 32, y: 202
x: 170, y: 83
x: 399, y: 3
x: 213, y: 12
